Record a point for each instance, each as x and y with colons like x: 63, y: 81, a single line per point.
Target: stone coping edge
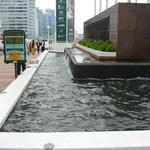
x: 10, y: 96
x: 120, y: 140
x: 98, y: 55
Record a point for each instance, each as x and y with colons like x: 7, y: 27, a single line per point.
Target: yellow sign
x: 15, y: 56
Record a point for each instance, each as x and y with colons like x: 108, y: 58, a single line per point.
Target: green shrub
x: 98, y: 45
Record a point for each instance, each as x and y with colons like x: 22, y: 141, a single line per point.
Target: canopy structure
x: 107, y: 4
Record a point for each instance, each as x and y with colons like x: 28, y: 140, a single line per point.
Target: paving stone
x: 7, y: 71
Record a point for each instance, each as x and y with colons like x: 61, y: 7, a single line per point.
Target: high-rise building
x: 36, y: 24
x: 46, y: 18
x: 50, y: 21
x: 18, y: 14
x: 40, y: 17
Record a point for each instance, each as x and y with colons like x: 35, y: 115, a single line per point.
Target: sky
x: 84, y: 9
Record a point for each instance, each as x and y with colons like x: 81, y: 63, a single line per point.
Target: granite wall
x: 127, y: 25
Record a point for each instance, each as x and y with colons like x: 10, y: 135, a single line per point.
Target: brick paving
x: 7, y: 71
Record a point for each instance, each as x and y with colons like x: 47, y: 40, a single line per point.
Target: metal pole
x: 100, y: 6
x: 129, y: 1
x: 106, y: 4
x: 136, y: 1
x: 148, y: 1
x: 116, y: 1
x: 48, y: 28
x: 16, y: 70
x: 94, y: 7
x: 48, y: 38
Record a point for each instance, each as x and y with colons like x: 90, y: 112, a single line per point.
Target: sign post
x: 14, y: 47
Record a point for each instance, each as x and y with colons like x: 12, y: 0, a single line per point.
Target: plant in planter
x: 98, y: 45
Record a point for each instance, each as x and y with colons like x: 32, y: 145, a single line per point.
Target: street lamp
x: 48, y: 27
x: 106, y: 4
x: 95, y: 7
x: 100, y: 6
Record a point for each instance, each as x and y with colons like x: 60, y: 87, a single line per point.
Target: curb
x: 10, y: 96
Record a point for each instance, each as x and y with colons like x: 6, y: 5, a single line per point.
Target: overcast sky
x: 84, y: 9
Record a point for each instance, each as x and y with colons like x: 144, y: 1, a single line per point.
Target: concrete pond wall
x: 130, y: 140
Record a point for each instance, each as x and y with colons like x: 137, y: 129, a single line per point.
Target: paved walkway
x: 7, y: 71
x: 60, y: 46
x: 7, y: 74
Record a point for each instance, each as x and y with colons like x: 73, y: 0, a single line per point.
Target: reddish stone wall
x: 129, y: 29
x: 134, y: 31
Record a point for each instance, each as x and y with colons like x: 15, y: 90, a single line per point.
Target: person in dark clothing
x: 43, y: 46
x: 19, y: 67
x: 38, y: 46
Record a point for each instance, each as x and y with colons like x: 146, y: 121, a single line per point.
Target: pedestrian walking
x: 30, y: 47
x: 33, y: 47
x: 19, y: 67
x: 43, y: 46
x: 38, y: 44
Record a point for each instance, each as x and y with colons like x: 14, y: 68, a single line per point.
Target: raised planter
x: 98, y: 55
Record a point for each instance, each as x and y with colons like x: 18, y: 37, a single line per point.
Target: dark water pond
x: 54, y: 102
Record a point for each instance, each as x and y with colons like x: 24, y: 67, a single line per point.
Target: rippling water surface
x: 54, y: 102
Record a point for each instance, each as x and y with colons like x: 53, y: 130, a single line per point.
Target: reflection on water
x: 55, y: 102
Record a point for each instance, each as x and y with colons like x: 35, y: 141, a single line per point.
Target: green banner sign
x: 61, y: 20
x: 14, y: 46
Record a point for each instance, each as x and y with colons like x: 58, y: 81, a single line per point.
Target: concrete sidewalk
x: 7, y: 71
x: 60, y: 46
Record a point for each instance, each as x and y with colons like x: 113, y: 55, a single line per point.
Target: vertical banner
x: 70, y: 19
x: 61, y: 21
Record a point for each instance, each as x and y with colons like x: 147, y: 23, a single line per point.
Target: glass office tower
x: 65, y: 20
x: 18, y: 14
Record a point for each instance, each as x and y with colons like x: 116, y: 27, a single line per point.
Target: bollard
x: 49, y: 146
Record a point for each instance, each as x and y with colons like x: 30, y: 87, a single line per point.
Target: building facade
x: 50, y: 21
x: 18, y: 14
x: 127, y: 25
x: 46, y: 18
x: 40, y: 17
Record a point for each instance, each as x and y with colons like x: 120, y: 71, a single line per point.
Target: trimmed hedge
x: 101, y: 45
